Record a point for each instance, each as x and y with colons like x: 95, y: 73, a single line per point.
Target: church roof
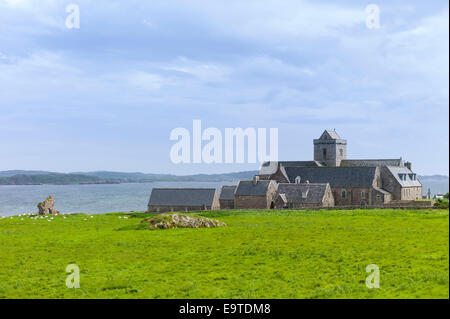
x: 371, y: 162
x: 182, y: 196
x: 336, y: 176
x: 269, y: 168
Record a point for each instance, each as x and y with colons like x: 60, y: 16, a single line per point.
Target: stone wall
x: 165, y: 209
x: 226, y: 204
x: 328, y: 200
x: 251, y: 202
x: 358, y: 196
x: 168, y: 208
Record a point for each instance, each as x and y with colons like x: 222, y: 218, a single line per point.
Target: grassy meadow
x: 260, y: 254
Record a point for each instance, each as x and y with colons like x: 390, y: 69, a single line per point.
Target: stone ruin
x: 47, y: 207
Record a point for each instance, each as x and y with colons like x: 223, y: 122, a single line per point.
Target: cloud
x: 297, y: 65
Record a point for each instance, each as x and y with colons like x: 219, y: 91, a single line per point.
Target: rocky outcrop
x: 47, y: 207
x: 165, y: 221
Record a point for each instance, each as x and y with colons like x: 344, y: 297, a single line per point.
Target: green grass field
x: 260, y: 254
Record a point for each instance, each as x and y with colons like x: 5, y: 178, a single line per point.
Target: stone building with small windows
x: 255, y: 194
x: 352, y: 181
x: 303, y: 195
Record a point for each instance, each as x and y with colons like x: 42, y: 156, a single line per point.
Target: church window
x: 324, y: 152
x: 344, y: 193
x: 341, y: 152
x: 363, y: 195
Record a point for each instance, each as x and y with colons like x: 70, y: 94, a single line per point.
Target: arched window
x: 344, y: 193
x: 324, y: 153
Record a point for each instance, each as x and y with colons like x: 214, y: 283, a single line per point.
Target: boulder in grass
x: 165, y: 221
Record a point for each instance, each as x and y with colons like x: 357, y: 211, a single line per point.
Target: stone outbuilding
x: 401, y: 182
x: 182, y: 200
x: 303, y: 195
x: 226, y: 197
x: 255, y: 194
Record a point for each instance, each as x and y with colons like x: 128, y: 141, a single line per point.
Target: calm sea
x: 107, y: 198
x: 92, y: 199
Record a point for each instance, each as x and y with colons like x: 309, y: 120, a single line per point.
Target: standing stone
x: 47, y: 207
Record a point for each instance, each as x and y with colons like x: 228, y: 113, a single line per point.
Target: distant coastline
x: 17, y: 177
x: 20, y: 177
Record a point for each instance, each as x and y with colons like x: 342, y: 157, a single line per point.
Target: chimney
x: 255, y: 179
x: 408, y: 165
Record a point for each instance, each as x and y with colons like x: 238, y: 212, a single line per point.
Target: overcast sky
x: 107, y: 95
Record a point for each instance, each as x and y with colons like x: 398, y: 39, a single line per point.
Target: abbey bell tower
x: 330, y: 149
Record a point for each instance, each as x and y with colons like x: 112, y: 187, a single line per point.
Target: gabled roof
x: 301, y: 163
x: 302, y: 193
x: 371, y: 162
x: 269, y: 168
x: 330, y: 134
x: 248, y: 188
x: 404, y: 176
x: 336, y: 176
x: 227, y: 192
x: 182, y: 196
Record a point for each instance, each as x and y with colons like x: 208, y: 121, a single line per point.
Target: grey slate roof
x: 406, y: 172
x: 371, y: 162
x: 336, y: 176
x: 182, y: 196
x: 333, y: 134
x: 247, y: 188
x: 227, y: 192
x: 269, y: 168
x: 294, y: 193
x: 301, y: 163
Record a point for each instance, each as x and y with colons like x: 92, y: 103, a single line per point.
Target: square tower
x: 330, y: 149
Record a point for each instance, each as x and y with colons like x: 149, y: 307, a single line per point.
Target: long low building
x: 182, y: 200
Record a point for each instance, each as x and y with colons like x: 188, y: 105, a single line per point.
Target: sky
x: 106, y: 95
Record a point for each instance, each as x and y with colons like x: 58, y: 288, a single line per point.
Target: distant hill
x: 433, y: 177
x: 21, y: 177
x: 143, y: 177
x: 51, y: 178
x: 21, y: 172
x: 104, y: 177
